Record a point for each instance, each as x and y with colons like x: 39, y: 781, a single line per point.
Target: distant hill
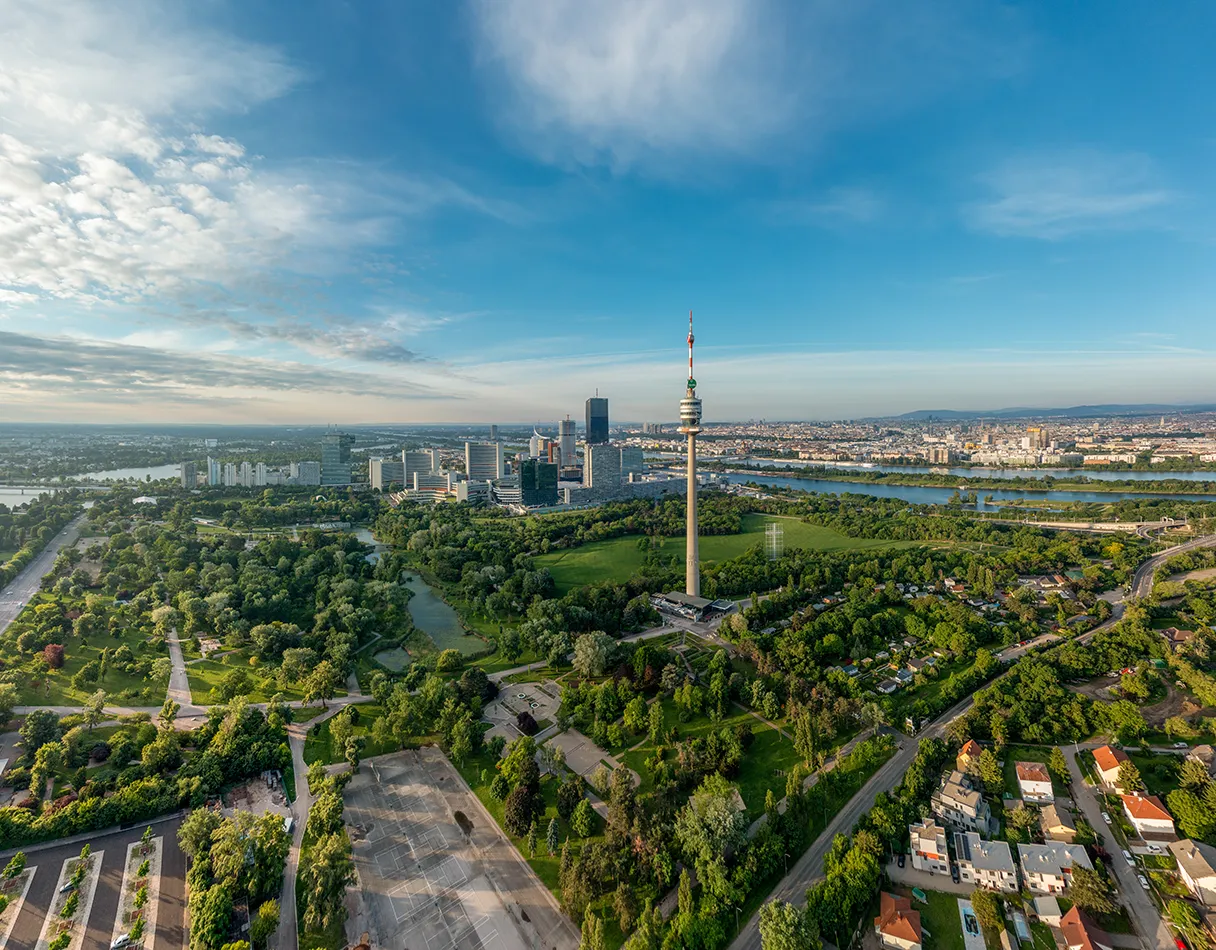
x: 1072, y: 412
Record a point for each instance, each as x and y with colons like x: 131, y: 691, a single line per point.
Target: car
x: 1180, y: 943
x: 954, y: 873
x: 1106, y: 817
x: 1127, y: 856
x: 900, y: 860
x: 1143, y: 881
x: 1181, y: 745
x: 1155, y: 849
x: 120, y: 941
x: 69, y: 886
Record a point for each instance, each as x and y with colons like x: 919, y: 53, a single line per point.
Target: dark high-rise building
x: 537, y: 482
x: 335, y: 458
x: 597, y: 421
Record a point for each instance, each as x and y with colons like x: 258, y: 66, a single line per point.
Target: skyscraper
x: 483, y: 460
x: 335, y: 458
x: 418, y: 461
x: 213, y: 471
x: 565, y: 433
x: 601, y: 466
x: 597, y: 421
x: 189, y: 475
x: 537, y: 483
x: 382, y: 473
x: 690, y: 425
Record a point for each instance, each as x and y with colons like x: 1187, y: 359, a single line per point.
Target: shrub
x: 526, y: 722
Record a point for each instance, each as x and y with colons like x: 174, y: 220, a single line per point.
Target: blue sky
x: 379, y: 211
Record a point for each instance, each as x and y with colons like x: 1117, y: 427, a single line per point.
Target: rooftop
x: 1108, y: 758
x: 1197, y: 859
x: 983, y: 855
x: 1052, y: 858
x: 1146, y: 808
x: 1033, y: 772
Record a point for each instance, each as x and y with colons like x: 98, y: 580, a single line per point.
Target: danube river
x: 927, y: 495
x: 978, y: 471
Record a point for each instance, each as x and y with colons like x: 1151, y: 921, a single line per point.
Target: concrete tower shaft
x: 690, y: 426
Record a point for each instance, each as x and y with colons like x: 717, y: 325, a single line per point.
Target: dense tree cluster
x: 25, y: 531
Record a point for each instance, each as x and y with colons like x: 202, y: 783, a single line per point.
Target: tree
x: 321, y: 684
x: 990, y: 773
x: 324, y: 878
x: 40, y: 727
x: 8, y: 701
x: 709, y: 826
x: 582, y: 822
x: 264, y: 923
x: 95, y: 709
x: 593, y: 932
x: 569, y: 794
x: 1129, y: 777
x: 168, y: 714
x: 196, y: 831
x: 987, y: 908
x: 520, y: 760
x: 517, y: 811
x: 551, y: 837
x: 1091, y: 892
x: 1058, y: 764
x: 784, y: 927
x: 53, y: 656
x: 500, y: 788
x: 15, y: 865
x: 654, y: 721
x: 592, y: 652
x: 532, y: 836
x: 624, y: 905
x: 210, y: 912
x: 448, y: 661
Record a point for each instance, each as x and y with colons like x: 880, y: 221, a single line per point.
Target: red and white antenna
x: 690, y: 342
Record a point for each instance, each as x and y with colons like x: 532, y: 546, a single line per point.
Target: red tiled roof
x: 896, y: 918
x: 1080, y: 931
x: 1146, y: 808
x: 1108, y: 758
x: 1033, y: 772
x: 970, y: 747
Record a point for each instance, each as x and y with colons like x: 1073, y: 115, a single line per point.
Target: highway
x: 809, y: 868
x: 25, y: 585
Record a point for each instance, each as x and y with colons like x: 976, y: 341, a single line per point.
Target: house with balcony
x: 960, y: 805
x: 929, y: 851
x: 1034, y: 783
x: 987, y: 864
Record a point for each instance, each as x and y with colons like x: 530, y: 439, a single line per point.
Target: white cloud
x: 625, y: 82
x: 1055, y: 195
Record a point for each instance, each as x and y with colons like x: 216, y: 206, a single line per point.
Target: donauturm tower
x: 690, y: 425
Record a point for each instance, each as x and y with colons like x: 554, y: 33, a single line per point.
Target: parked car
x: 1143, y: 881
x: 954, y: 873
x: 69, y: 886
x: 1181, y: 745
x: 1106, y: 817
x: 120, y: 941
x: 1127, y: 856
x: 900, y: 860
x: 1155, y: 849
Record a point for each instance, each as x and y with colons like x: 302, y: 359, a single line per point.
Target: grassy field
x: 940, y: 918
x: 320, y: 747
x: 206, y: 674
x: 1159, y: 772
x: 619, y: 558
x: 54, y: 687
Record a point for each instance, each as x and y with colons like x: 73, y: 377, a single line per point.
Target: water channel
x: 983, y: 471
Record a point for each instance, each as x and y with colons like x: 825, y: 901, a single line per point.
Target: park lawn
x: 940, y: 917
x: 764, y: 767
x: 547, y: 868
x: 54, y: 688
x: 619, y: 558
x: 206, y: 674
x: 320, y: 747
x: 1159, y: 772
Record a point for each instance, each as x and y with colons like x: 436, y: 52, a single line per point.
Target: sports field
x: 617, y: 559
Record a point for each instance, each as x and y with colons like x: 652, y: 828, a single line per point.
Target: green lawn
x: 206, y: 674
x: 1159, y: 772
x: 320, y: 747
x: 54, y: 687
x: 940, y: 918
x: 619, y: 558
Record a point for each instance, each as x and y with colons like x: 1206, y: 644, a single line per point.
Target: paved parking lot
x: 426, y: 883
x: 170, y: 914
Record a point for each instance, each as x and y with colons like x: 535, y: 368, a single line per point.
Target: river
x: 16, y: 496
x: 927, y: 495
x: 156, y: 472
x: 1098, y: 475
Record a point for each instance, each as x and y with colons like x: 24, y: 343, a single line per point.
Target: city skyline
x: 489, y: 211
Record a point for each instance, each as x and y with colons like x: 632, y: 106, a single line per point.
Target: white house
x: 929, y: 847
x: 1034, y: 782
x: 1047, y: 868
x: 956, y: 803
x: 1108, y: 761
x: 1148, y: 816
x: 1197, y: 868
x: 987, y: 864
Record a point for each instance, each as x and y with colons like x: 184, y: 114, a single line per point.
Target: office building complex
x: 189, y: 475
x: 597, y: 420
x: 537, y: 483
x: 335, y: 458
x: 690, y: 425
x: 565, y: 443
x: 601, y: 466
x: 483, y: 460
x: 382, y: 472
x: 213, y: 471
x: 306, y: 473
x: 418, y: 462
x: 632, y: 464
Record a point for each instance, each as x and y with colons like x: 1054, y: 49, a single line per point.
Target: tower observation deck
x: 690, y: 425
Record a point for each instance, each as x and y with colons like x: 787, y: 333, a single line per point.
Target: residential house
x: 929, y: 847
x: 1176, y: 638
x: 1197, y: 868
x: 1148, y: 816
x: 1081, y: 933
x: 904, y: 677
x: 987, y: 864
x: 1056, y: 825
x: 958, y: 804
x: 1205, y: 755
x: 968, y: 756
x: 1034, y: 782
x: 1108, y: 761
x: 1047, y: 868
x: 887, y: 687
x: 917, y: 665
x: 897, y: 924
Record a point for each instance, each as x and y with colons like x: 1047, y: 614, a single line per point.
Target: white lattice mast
x: 774, y: 539
x: 690, y: 425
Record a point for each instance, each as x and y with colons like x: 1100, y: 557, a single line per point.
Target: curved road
x: 809, y: 868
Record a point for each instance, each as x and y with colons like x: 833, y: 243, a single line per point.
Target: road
x: 25, y: 585
x: 1139, y: 905
x: 809, y: 868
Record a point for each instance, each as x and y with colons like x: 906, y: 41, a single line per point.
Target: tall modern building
x: 631, y: 461
x: 382, y: 473
x: 565, y: 441
x: 493, y: 433
x: 418, y: 461
x: 537, y: 483
x: 213, y: 471
x: 335, y: 458
x: 690, y: 425
x: 483, y: 460
x: 601, y: 466
x: 597, y: 420
x: 189, y: 475
x: 306, y: 473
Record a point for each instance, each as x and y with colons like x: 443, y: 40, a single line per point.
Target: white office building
x: 483, y: 461
x: 601, y: 465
